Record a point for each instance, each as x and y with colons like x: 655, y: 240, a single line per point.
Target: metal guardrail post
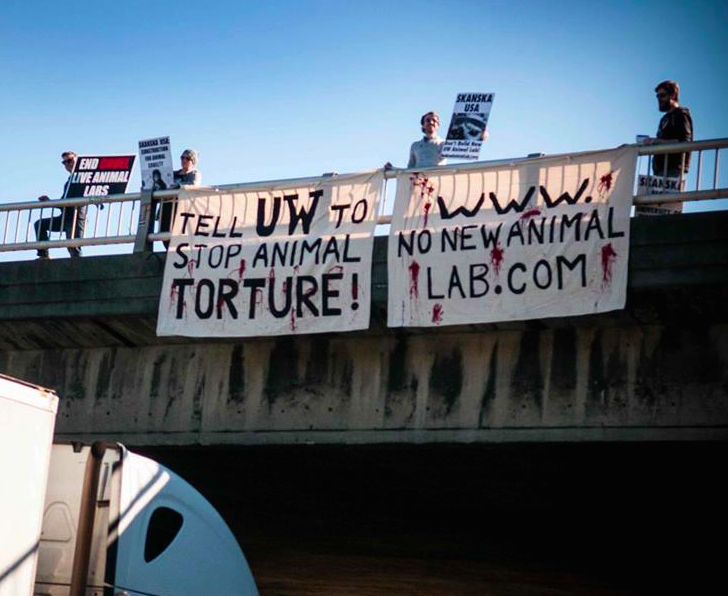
x: 146, y: 221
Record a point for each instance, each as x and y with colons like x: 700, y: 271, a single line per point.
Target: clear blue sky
x: 288, y: 89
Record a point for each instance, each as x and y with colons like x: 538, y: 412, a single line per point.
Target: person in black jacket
x: 72, y: 220
x: 676, y: 126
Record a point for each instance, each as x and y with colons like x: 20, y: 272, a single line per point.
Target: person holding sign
x: 188, y: 174
x: 426, y: 152
x: 72, y: 220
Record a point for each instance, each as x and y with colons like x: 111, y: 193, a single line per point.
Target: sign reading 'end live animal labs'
x: 99, y: 176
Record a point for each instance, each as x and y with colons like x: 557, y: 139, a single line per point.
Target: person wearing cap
x: 188, y: 174
x: 426, y: 152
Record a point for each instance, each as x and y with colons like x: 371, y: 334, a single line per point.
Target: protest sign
x: 99, y: 176
x: 155, y: 157
x: 467, y: 125
x: 286, y: 259
x: 657, y: 185
x: 545, y: 238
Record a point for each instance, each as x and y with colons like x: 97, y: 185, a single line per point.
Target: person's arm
x: 196, y: 178
x: 412, y: 158
x: 685, y: 125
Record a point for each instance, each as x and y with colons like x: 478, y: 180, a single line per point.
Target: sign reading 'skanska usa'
x: 547, y: 238
x: 285, y: 259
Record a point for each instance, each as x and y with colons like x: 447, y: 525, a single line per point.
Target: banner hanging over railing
x: 285, y: 259
x: 548, y: 238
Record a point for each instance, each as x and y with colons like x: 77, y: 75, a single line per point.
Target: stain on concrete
x: 282, y: 369
x: 103, y: 380
x: 398, y: 365
x: 317, y: 366
x: 486, y: 404
x: 563, y: 363
x: 527, y: 380
x: 157, y: 375
x: 236, y: 375
x: 76, y: 389
x: 197, y: 402
x: 445, y: 383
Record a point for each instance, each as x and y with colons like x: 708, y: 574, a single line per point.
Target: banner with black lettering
x: 467, y: 125
x: 658, y: 185
x: 284, y: 259
x: 155, y: 155
x: 546, y: 237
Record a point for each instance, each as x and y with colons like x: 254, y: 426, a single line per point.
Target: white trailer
x: 114, y: 523
x: 27, y: 420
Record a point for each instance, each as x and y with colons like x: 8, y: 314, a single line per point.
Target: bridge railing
x: 133, y: 218
x: 702, y: 181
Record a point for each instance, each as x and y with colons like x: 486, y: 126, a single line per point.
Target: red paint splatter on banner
x: 184, y: 307
x: 355, y: 287
x: 284, y: 288
x: 496, y: 258
x: 423, y: 183
x: 258, y: 296
x: 172, y: 297
x: 335, y: 269
x: 528, y: 216
x: 272, y: 274
x: 437, y: 313
x: 427, y: 208
x: 608, y: 256
x: 190, y: 267
x: 220, y: 303
x: 414, y: 270
x: 241, y: 269
x: 530, y: 213
x: 605, y: 183
x: 293, y: 318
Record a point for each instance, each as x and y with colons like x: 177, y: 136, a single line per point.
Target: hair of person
x: 69, y: 153
x: 672, y: 88
x: 192, y: 154
x: 422, y: 120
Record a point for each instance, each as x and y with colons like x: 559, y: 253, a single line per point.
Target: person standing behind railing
x: 72, y: 220
x: 187, y: 175
x: 426, y: 152
x: 676, y: 126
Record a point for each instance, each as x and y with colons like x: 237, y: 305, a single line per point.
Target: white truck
x: 113, y: 523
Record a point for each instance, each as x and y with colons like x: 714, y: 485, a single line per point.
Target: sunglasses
x: 66, y: 161
x: 185, y: 157
x: 661, y: 95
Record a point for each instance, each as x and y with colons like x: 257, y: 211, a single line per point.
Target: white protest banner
x: 467, y: 125
x: 291, y: 258
x: 545, y: 238
x: 155, y: 155
x: 657, y: 185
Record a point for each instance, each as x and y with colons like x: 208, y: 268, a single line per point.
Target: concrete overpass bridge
x: 505, y: 498
x: 656, y: 370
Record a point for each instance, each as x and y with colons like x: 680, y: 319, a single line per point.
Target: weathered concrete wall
x: 656, y: 369
x: 637, y: 382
